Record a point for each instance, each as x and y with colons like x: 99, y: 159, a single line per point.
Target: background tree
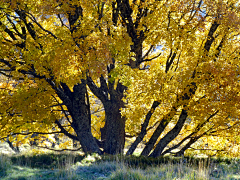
x: 165, y: 72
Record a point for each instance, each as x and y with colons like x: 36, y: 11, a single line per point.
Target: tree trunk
x: 79, y: 110
x: 158, y: 131
x: 113, y: 132
x: 143, y: 129
x: 114, y: 128
x: 170, y: 135
x: 80, y: 115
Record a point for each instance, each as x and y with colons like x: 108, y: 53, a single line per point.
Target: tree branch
x: 143, y: 128
x: 96, y: 90
x: 39, y: 25
x: 58, y: 150
x: 210, y: 38
x: 65, y: 131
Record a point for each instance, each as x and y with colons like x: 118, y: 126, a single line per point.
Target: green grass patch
x: 46, y: 161
x: 73, y: 167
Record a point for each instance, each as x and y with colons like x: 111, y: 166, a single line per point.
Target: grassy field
x: 73, y: 166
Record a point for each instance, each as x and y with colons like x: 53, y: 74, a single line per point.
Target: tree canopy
x: 159, y: 72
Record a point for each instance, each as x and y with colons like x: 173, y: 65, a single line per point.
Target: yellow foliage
x: 41, y: 50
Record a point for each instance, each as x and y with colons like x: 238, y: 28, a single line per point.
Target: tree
x: 165, y: 72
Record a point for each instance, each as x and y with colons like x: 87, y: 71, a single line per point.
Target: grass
x: 73, y: 166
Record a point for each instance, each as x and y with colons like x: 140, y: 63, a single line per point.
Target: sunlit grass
x: 181, y: 170
x: 73, y: 167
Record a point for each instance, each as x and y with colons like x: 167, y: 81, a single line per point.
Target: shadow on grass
x: 45, y: 161
x: 73, y: 166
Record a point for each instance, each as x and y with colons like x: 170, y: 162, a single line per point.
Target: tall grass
x: 5, y: 164
x: 72, y: 167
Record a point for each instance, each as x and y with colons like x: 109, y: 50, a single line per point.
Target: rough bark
x: 192, y: 136
x: 78, y: 109
x: 161, y: 127
x: 114, y: 127
x: 170, y: 135
x: 113, y: 132
x: 192, y: 140
x: 115, y: 123
x: 81, y: 119
x: 143, y: 129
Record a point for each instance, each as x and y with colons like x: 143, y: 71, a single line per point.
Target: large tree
x: 165, y: 72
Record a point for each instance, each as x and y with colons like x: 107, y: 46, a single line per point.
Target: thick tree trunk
x: 79, y: 110
x: 115, y: 123
x: 114, y: 128
x: 86, y: 139
x: 113, y: 132
x: 80, y: 116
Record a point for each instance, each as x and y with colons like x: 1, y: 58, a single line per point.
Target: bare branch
x: 64, y: 111
x: 144, y: 60
x: 58, y: 150
x: 65, y: 132
x: 29, y: 133
x: 147, y: 53
x: 59, y: 16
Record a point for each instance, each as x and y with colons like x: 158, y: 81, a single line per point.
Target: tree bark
x: 161, y: 127
x: 170, y: 135
x: 114, y: 128
x: 113, y: 132
x: 143, y: 129
x: 78, y: 108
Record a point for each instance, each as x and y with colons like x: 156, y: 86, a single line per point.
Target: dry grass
x: 44, y: 166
